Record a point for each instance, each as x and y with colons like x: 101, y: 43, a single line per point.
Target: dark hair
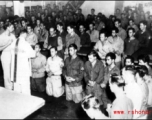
x: 7, y: 25
x: 129, y: 57
x: 73, y: 46
x: 131, y: 20
x: 144, y: 58
x: 23, y: 31
x: 115, y: 29
x: 60, y: 24
x: 142, y: 70
x: 117, y: 20
x: 111, y: 55
x: 143, y: 22
x: 40, y: 46
x: 94, y: 53
x: 104, y: 32
x: 92, y: 23
x: 115, y: 78
x: 29, y: 25
x: 130, y: 68
x: 53, y: 47
x: 131, y: 29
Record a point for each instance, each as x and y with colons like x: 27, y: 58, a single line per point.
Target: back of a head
x: 141, y: 70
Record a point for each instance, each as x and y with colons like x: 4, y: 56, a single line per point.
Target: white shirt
x: 133, y: 91
x: 55, y: 65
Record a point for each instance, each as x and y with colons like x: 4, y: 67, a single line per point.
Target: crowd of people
x: 39, y: 53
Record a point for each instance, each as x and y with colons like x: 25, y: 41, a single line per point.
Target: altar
x: 15, y: 105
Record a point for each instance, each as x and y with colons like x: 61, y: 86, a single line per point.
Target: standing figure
x: 54, y: 69
x: 6, y: 39
x: 73, y: 72
x: 21, y: 52
x: 94, y: 76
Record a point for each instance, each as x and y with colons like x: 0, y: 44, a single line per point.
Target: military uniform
x: 74, y: 68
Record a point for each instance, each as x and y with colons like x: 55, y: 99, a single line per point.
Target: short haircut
x: 130, y: 68
x: 29, y: 25
x: 7, y: 25
x: 23, y: 31
x: 141, y: 70
x: 143, y: 22
x: 92, y: 24
x: 73, y: 46
x: 131, y: 29
x: 105, y: 33
x: 130, y: 58
x: 111, y: 55
x: 38, y: 44
x: 71, y: 26
x: 94, y: 53
x: 144, y: 58
x: 115, y: 78
x: 117, y: 20
x: 53, y: 47
x: 60, y: 24
x: 131, y: 20
x: 114, y: 29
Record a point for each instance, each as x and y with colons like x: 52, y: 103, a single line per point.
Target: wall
x: 106, y: 7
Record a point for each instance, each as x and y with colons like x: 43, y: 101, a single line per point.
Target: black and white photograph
x: 75, y: 59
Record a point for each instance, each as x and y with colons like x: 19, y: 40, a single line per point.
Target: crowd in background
x: 119, y: 60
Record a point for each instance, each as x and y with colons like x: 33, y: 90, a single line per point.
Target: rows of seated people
x: 118, y: 62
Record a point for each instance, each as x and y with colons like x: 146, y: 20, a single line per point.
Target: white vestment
x: 54, y: 84
x: 24, y: 53
x: 5, y: 45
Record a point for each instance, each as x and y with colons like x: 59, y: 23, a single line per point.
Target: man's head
x: 23, y: 34
x: 130, y: 11
x: 118, y: 10
x: 1, y: 23
x: 53, y: 51
x: 33, y: 18
x: 29, y: 28
x: 91, y: 26
x: 129, y: 60
x: 141, y: 72
x: 92, y: 11
x: 143, y: 60
x: 110, y: 58
x: 60, y: 26
x: 116, y: 83
x: 131, y: 32
x: 9, y: 27
x: 82, y: 28
x: 24, y: 22
x: 70, y: 29
x: 131, y: 22
x: 103, y: 36
x: 37, y: 48
x: 143, y: 25
x: 52, y: 31
x: 42, y: 26
x: 93, y: 56
x: 128, y: 73
x: 90, y: 104
x: 72, y: 49
x: 38, y: 22
x: 114, y: 31
x: 117, y: 23
x: 79, y: 10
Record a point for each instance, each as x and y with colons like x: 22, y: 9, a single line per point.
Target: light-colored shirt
x: 148, y: 81
x: 38, y: 64
x: 117, y: 46
x: 124, y: 104
x: 122, y: 33
x: 32, y: 39
x: 55, y: 65
x: 74, y: 39
x: 94, y: 35
x: 133, y: 91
